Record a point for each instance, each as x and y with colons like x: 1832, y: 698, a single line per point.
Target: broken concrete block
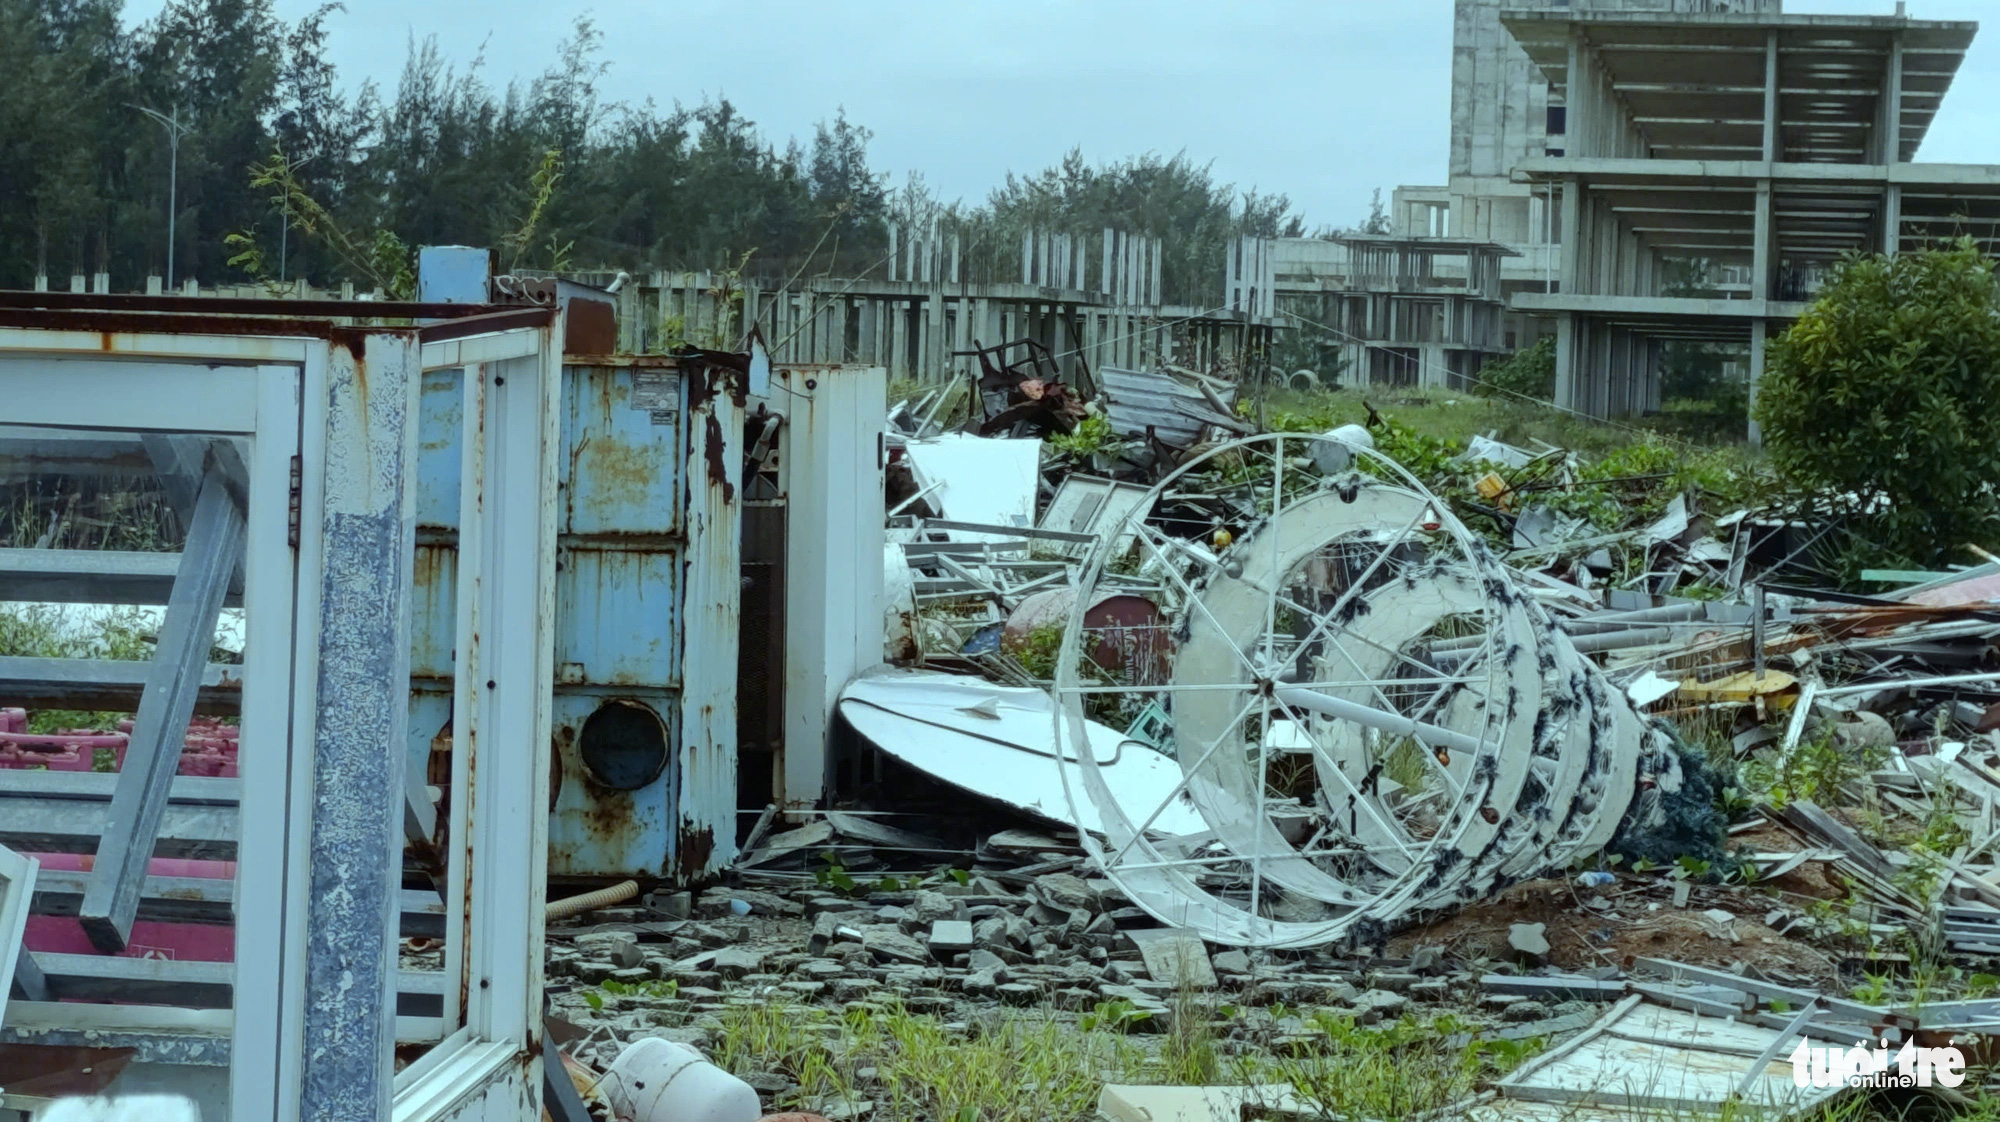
x: 1232, y: 961
x: 1395, y: 983
x: 820, y: 970
x: 1524, y: 1010
x: 1529, y: 939
x: 1175, y: 956
x: 620, y: 947
x: 1383, y: 1003
x: 1328, y: 991
x: 1431, y: 989
x: 928, y: 907
x: 1427, y: 960
x: 1188, y: 1104
x: 980, y: 961
x: 890, y: 945
x: 735, y: 962
x: 1017, y: 993
x: 950, y: 936
x: 991, y: 933
x: 593, y: 970
x: 1066, y: 892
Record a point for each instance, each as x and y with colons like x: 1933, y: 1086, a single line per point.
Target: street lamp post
x: 175, y: 129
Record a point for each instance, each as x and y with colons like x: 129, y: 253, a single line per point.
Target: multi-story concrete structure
x: 1400, y: 310
x: 1772, y: 143
x: 1621, y: 146
x: 1504, y: 110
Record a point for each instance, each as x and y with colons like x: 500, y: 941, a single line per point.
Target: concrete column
x: 1582, y: 112
x: 1889, y: 145
x: 1771, y: 152
x: 1892, y: 218
x: 1566, y: 360
x: 1758, y: 329
x: 1761, y: 250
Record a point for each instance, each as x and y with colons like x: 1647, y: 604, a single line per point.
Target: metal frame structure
x: 326, y: 415
x: 816, y: 482
x: 1326, y: 628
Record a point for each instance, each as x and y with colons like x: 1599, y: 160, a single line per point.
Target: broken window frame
x: 344, y: 404
x: 500, y: 744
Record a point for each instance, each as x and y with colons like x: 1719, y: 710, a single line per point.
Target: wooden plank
x: 213, y: 550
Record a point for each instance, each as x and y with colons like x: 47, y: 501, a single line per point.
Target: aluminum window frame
x: 288, y: 394
x: 500, y: 735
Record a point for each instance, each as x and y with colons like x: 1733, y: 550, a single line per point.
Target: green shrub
x: 1888, y: 390
x: 1528, y: 373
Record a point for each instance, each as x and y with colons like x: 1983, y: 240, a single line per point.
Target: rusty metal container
x: 647, y: 612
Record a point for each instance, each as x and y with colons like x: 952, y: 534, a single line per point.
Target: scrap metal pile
x: 1300, y: 697
x: 1362, y: 714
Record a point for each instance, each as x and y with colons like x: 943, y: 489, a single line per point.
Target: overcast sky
x: 1324, y: 100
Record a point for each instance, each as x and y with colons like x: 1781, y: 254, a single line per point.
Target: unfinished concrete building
x: 1505, y: 109
x: 1425, y: 311
x: 1771, y: 143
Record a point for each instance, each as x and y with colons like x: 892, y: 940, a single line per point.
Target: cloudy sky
x: 1324, y: 100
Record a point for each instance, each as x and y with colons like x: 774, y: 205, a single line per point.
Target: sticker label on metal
x: 657, y: 392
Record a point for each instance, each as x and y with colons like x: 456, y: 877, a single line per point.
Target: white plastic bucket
x: 655, y: 1080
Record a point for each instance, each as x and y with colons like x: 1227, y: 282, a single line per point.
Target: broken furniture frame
x: 324, y: 418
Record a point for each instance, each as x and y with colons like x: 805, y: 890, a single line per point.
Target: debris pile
x: 1277, y: 742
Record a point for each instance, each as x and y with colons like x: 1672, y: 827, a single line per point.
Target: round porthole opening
x: 623, y: 744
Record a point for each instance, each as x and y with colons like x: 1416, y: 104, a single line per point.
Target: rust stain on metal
x: 695, y: 851
x: 718, y: 465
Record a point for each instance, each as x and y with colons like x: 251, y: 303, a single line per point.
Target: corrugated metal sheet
x: 1136, y: 400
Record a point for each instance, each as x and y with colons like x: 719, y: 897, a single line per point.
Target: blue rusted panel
x: 620, y: 585
x: 628, y: 469
x: 434, y: 572
x: 597, y: 831
x: 622, y: 471
x: 618, y: 613
x: 440, y: 434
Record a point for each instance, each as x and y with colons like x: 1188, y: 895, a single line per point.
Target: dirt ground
x: 1641, y: 922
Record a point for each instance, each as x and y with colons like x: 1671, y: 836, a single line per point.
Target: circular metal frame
x: 1443, y: 772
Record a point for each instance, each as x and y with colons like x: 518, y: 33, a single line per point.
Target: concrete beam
x: 1664, y: 307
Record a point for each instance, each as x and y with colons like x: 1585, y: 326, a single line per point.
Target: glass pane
x: 121, y: 575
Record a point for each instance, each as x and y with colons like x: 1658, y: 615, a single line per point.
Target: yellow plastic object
x: 1777, y: 687
x: 1492, y: 488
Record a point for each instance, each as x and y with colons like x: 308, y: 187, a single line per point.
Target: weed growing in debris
x: 1189, y: 1055
x: 1403, y: 1069
x: 1013, y: 1069
x: 652, y: 990
x: 1092, y: 434
x: 1815, y: 769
